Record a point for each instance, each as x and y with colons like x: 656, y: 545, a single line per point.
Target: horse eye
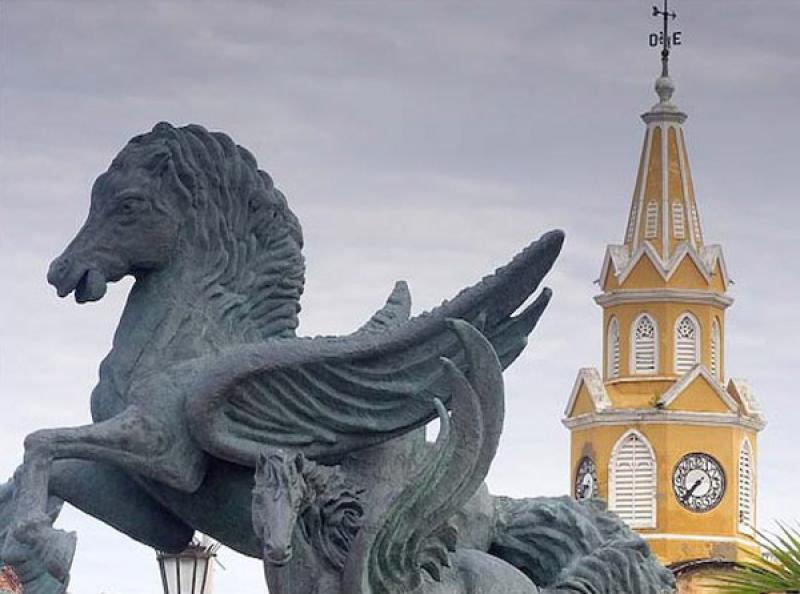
x: 132, y: 205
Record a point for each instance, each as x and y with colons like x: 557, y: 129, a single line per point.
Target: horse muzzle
x: 66, y: 275
x: 277, y: 555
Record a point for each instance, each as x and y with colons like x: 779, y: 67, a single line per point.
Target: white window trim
x: 746, y: 528
x: 633, y: 346
x: 613, y: 349
x: 698, y: 353
x: 612, y: 480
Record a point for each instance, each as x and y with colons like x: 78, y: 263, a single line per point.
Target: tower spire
x: 665, y: 87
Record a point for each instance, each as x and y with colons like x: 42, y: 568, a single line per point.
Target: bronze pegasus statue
x: 207, y: 378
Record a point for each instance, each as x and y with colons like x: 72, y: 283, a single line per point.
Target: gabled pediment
x: 698, y: 391
x: 588, y: 394
x: 648, y: 269
x: 740, y: 390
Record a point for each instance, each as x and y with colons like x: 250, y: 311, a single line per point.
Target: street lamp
x: 188, y: 572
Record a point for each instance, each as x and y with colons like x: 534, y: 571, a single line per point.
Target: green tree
x: 776, y: 571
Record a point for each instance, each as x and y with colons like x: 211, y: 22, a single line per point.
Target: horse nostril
x: 57, y: 269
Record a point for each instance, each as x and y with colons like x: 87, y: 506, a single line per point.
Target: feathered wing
x: 330, y: 396
x: 414, y: 533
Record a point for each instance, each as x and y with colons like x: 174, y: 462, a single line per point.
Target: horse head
x: 194, y: 203
x: 280, y: 496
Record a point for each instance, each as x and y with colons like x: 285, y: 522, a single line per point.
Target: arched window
x: 612, y: 352
x: 746, y: 499
x: 715, y: 349
x: 651, y: 220
x: 678, y: 226
x: 632, y: 486
x: 687, y: 343
x: 644, y: 338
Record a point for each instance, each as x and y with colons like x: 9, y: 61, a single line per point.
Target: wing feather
x: 332, y: 395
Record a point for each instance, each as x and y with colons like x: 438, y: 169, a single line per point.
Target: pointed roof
x: 663, y: 212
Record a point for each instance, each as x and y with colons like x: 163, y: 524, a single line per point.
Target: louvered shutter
x: 633, y: 494
x: 612, y: 366
x: 715, y: 350
x: 678, y: 227
x: 745, y: 488
x: 686, y: 347
x: 644, y: 345
x: 696, y: 223
x: 651, y: 220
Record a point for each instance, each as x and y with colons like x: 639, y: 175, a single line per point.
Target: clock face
x: 698, y: 482
x: 585, y: 480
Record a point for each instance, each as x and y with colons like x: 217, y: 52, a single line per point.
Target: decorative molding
x: 639, y: 379
x: 655, y: 117
x: 632, y: 416
x: 697, y: 537
x: 705, y: 259
x: 687, y: 199
x: 645, y: 165
x: 665, y: 188
x: 622, y: 296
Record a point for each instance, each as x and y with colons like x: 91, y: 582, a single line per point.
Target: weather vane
x: 664, y: 38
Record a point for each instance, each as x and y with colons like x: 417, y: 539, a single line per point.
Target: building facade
x: 660, y: 432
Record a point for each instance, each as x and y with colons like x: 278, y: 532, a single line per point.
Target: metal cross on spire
x: 665, y: 40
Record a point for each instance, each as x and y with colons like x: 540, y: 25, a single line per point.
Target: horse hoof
x: 58, y: 552
x: 54, y: 549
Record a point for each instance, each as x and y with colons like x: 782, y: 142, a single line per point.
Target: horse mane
x: 245, y: 240
x: 335, y: 515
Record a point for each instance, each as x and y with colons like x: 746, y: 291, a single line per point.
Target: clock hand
x: 691, y: 490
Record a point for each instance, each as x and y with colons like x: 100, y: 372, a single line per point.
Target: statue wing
x: 414, y: 532
x: 328, y: 396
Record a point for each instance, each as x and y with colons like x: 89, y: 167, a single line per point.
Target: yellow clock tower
x: 660, y: 433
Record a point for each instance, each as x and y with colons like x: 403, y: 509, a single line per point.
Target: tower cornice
x: 635, y: 416
x: 654, y: 117
x: 621, y: 296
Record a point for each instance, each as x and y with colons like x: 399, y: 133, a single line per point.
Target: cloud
x: 421, y: 141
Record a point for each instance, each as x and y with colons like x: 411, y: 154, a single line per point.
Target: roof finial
x: 664, y: 85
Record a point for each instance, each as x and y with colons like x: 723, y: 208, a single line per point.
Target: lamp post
x: 188, y: 572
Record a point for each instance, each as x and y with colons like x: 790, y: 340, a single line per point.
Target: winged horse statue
x: 206, y: 373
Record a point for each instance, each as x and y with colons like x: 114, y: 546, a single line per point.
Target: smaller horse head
x: 280, y: 496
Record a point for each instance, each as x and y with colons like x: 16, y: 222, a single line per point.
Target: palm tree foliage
x: 777, y: 571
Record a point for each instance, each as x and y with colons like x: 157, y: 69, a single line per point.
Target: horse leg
x: 132, y: 441
x: 104, y: 492
x: 109, y: 494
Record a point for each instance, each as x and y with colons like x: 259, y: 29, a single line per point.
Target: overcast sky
x: 426, y: 141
